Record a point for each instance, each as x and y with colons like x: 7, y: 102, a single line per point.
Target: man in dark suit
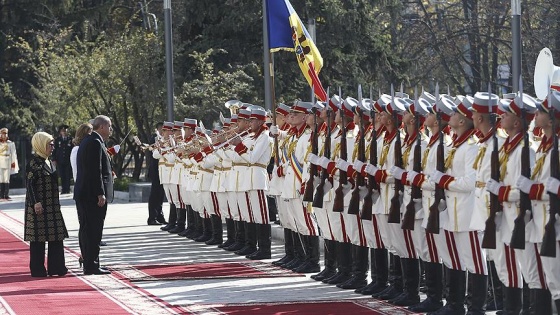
x: 61, y: 156
x: 92, y: 190
x: 157, y: 194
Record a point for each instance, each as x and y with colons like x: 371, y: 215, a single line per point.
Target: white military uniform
x: 8, y: 156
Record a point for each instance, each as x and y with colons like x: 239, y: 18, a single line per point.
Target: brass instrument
x: 233, y: 106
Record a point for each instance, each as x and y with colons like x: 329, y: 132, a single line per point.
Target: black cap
x: 62, y: 127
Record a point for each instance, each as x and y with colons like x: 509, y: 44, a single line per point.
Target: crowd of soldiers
x: 442, y: 188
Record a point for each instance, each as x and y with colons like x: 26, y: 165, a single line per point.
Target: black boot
x: 557, y: 303
x: 206, y: 231
x: 411, y: 283
x: 379, y: 272
x: 343, y: 263
x: 395, y: 287
x: 172, y: 218
x: 217, y: 231
x: 190, y: 222
x: 359, y: 269
x: 239, y: 237
x: 455, y: 305
x: 7, y: 191
x: 250, y: 240
x: 288, y: 249
x: 513, y: 298
x: 541, y: 302
x: 230, y: 227
x: 312, y: 255
x: 434, y: 287
x: 494, y: 300
x: 181, y: 219
x: 329, y: 252
x: 198, y: 227
x: 299, y: 252
x: 264, y: 243
x: 526, y: 299
x: 478, y: 291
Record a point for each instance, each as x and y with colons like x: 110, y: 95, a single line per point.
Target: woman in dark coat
x: 43, y: 218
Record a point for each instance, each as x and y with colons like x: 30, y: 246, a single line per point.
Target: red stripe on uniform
x: 432, y: 249
x: 478, y: 247
x: 409, y: 244
x: 378, y: 239
x: 308, y: 221
x: 215, y: 203
x: 345, y: 237
x: 539, y: 268
x: 361, y: 235
x: 450, y: 250
x: 455, y: 251
x: 264, y: 208
x: 473, y: 253
x: 251, y: 218
x: 181, y: 203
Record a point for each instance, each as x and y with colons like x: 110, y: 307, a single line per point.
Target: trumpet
x: 144, y: 146
x: 242, y: 136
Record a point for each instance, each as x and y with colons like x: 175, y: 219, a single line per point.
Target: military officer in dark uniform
x: 61, y: 157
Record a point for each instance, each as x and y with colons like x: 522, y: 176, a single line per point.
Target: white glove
x: 417, y: 204
x: 411, y: 175
x: 358, y: 165
x: 374, y: 196
x: 273, y: 130
x: 552, y: 185
x: 342, y: 165
x: 346, y: 188
x: 313, y: 159
x: 363, y: 191
x: 442, y: 205
x: 436, y: 176
x: 493, y: 186
x: 324, y: 162
x: 524, y: 184
x: 327, y: 187
x: 316, y: 181
x: 396, y: 172
x: 371, y: 169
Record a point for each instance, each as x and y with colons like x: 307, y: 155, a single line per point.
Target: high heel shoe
x: 81, y: 261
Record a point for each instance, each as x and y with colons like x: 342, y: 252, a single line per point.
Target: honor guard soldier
x: 532, y: 263
x: 255, y: 150
x: 458, y: 182
x: 328, y: 222
x: 378, y: 253
x: 61, y: 157
x: 166, y: 163
x: 8, y: 163
x: 508, y: 264
x: 186, y: 179
x: 175, y: 180
x: 551, y: 265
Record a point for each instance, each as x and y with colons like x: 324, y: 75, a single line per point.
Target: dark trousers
x: 4, y: 190
x: 92, y: 219
x: 65, y: 173
x: 55, y: 258
x: 155, y: 200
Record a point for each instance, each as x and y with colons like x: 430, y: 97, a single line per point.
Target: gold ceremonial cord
x: 384, y: 154
x: 478, y: 159
x: 449, y: 158
x: 425, y: 157
x: 503, y: 163
x: 405, y: 156
x: 336, y: 151
x: 3, y: 147
x: 538, y: 167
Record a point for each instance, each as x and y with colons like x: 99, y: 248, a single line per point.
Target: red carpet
x: 352, y: 307
x: 210, y: 270
x: 52, y: 295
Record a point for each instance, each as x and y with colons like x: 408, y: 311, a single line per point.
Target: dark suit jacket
x: 94, y: 170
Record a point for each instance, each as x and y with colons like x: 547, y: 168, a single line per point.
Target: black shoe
x: 234, y: 247
x: 372, y: 288
x: 60, y: 273
x: 428, y: 305
x: 102, y: 243
x: 168, y: 227
x: 293, y: 264
x: 177, y: 229
x: 259, y: 254
x: 447, y: 310
x: 338, y: 278
x: 246, y: 250
x: 160, y: 219
x: 354, y: 282
x: 42, y: 274
x: 193, y: 235
x: 406, y: 299
x: 226, y: 244
x: 184, y: 233
x: 283, y: 260
x: 98, y: 271
x: 214, y: 241
x: 308, y: 267
x: 388, y: 294
x: 153, y: 222
x: 203, y: 238
x: 325, y: 273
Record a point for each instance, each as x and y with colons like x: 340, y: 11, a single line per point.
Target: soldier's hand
x: 101, y: 200
x: 14, y: 165
x: 38, y: 207
x: 553, y: 185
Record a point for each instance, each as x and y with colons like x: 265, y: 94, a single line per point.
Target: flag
x: 287, y: 32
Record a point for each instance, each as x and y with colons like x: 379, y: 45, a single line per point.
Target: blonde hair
x: 82, y: 132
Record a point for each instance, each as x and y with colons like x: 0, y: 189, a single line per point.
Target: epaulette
x: 472, y: 140
x: 501, y: 133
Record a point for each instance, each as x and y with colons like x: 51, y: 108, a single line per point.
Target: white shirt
x: 73, y: 161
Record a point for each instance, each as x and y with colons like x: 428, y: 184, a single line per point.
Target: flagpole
x: 516, y: 43
x: 269, y: 93
x: 168, y: 57
x: 311, y: 30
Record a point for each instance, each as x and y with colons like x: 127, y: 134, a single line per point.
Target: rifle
x: 367, y: 206
x: 416, y: 192
x: 338, y: 205
x: 354, y: 205
x: 518, y: 234
x: 395, y: 210
x: 308, y: 192
x: 432, y: 225
x: 548, y: 247
x: 489, y: 238
x: 320, y: 192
